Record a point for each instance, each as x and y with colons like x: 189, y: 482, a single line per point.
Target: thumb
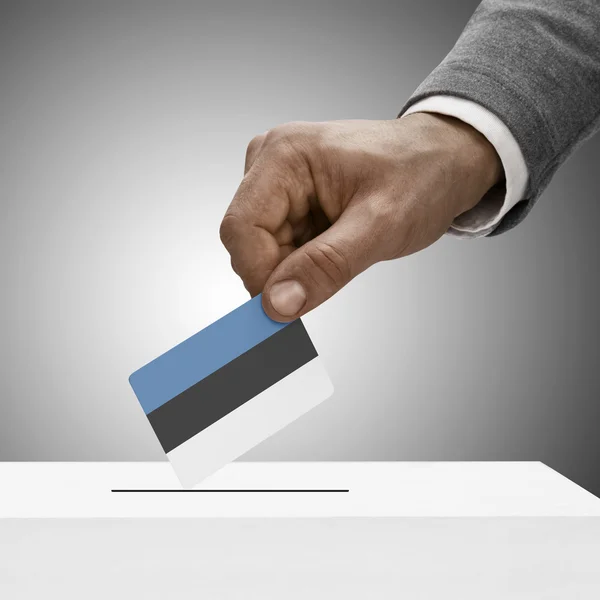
x: 317, y: 270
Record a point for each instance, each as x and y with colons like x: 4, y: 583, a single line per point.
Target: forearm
x: 535, y: 64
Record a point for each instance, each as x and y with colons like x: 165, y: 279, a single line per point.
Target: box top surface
x: 374, y: 489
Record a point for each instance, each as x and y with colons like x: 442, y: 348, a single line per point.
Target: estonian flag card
x: 227, y: 388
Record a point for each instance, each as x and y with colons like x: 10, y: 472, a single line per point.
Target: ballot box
x: 297, y: 530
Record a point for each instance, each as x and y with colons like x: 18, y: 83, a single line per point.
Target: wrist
x: 470, y: 159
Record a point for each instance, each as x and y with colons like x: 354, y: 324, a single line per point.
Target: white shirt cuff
x: 485, y: 216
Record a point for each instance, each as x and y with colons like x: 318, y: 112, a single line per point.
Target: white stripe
x: 251, y: 423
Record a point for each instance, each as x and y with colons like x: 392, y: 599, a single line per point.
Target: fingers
x: 257, y: 228
x: 251, y: 230
x: 254, y: 252
x: 317, y: 270
x: 261, y: 224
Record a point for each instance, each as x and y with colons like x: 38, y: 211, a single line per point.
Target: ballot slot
x: 250, y: 491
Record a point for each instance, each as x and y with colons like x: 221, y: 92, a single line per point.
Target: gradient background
x: 123, y: 128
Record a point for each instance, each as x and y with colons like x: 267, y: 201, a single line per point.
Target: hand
x: 321, y: 202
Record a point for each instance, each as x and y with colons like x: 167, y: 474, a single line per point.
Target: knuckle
x: 255, y: 145
x: 329, y: 261
x: 276, y: 135
x: 286, y: 153
x: 228, y: 229
x: 286, y: 140
x: 286, y: 130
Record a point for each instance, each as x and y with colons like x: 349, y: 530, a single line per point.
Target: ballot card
x: 227, y: 388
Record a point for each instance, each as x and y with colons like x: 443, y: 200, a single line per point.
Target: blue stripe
x: 202, y: 354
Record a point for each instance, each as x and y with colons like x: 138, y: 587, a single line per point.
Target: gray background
x: 123, y: 128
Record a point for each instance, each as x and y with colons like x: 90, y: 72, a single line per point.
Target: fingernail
x: 287, y: 297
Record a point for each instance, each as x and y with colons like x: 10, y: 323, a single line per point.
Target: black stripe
x: 209, y: 400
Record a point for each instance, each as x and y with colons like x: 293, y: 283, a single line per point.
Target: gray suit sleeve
x: 536, y: 65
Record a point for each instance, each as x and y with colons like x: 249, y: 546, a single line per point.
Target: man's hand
x: 321, y: 202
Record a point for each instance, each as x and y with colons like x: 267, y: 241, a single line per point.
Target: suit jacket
x: 536, y: 65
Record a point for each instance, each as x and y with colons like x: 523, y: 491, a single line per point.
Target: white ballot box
x: 477, y: 530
